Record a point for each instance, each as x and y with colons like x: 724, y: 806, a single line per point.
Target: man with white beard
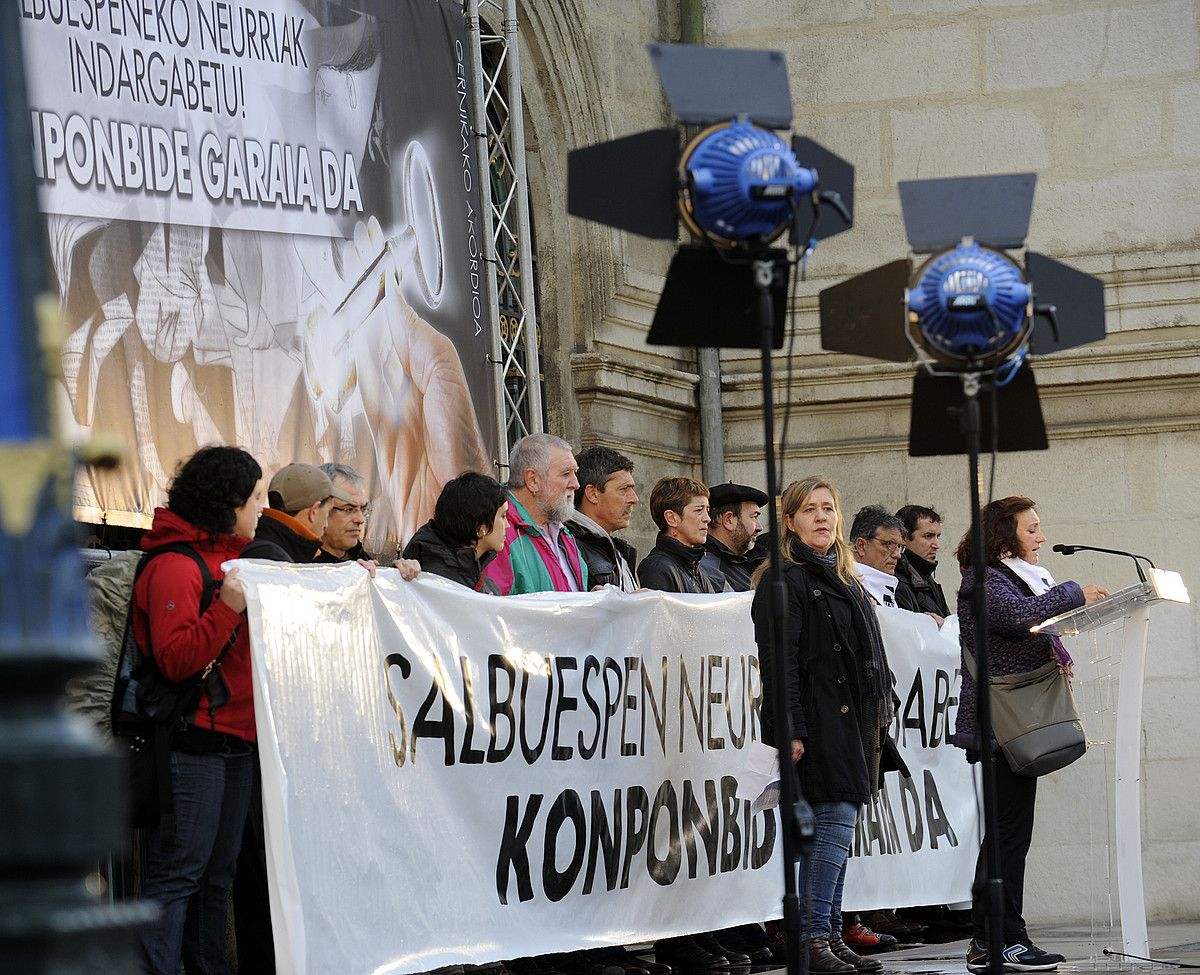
x: 540, y: 554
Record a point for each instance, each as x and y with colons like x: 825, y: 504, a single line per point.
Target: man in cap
x: 298, y: 501
x: 299, y: 497
x: 735, y: 510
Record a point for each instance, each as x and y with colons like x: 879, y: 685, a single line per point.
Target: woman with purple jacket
x: 1020, y: 594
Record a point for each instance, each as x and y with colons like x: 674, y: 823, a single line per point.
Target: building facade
x: 1102, y: 99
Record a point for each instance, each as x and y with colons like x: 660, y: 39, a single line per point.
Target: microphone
x: 1137, y: 559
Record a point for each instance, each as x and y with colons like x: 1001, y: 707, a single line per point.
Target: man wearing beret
x: 735, y: 511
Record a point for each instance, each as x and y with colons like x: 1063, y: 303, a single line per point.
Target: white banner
x: 917, y: 843
x: 449, y: 777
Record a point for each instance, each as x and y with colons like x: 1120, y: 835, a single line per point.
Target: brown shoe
x: 886, y: 922
x: 838, y: 948
x: 821, y: 959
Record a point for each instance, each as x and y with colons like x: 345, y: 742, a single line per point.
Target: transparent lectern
x: 1132, y: 606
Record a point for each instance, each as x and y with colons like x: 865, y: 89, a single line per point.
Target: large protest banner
x: 264, y: 227
x: 450, y: 777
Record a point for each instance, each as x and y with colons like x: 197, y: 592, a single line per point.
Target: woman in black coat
x: 466, y: 531
x: 838, y: 701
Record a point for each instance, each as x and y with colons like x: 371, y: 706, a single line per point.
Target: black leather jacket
x: 672, y: 566
x: 601, y: 552
x: 726, y: 567
x: 460, y: 565
x: 917, y: 575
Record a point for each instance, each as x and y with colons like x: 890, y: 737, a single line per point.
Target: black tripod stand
x: 795, y: 814
x: 991, y: 892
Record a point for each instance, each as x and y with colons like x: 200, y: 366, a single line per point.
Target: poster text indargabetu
x: 205, y: 105
x: 537, y: 708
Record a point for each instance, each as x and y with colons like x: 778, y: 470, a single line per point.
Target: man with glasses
x: 342, y: 539
x: 878, y: 540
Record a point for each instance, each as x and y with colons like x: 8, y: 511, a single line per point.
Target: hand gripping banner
x: 451, y: 777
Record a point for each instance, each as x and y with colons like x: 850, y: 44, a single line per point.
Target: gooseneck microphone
x: 1137, y: 559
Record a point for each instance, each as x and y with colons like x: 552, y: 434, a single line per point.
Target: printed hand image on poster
x: 264, y: 225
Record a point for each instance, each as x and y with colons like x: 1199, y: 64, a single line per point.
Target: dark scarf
x: 877, y: 678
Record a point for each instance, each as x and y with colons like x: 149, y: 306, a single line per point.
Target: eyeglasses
x: 890, y: 547
x: 349, y: 509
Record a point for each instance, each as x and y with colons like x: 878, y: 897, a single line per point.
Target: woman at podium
x: 1020, y: 593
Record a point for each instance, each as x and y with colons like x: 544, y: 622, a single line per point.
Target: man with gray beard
x: 540, y: 554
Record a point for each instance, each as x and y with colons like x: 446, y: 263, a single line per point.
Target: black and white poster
x: 264, y: 227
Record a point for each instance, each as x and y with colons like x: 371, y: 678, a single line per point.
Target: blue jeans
x: 825, y: 870
x: 191, y: 881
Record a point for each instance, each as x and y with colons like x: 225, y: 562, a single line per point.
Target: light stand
x: 991, y: 891
x: 968, y: 313
x: 796, y: 817
x: 737, y: 187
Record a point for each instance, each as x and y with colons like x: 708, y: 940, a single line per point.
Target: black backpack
x: 148, y: 709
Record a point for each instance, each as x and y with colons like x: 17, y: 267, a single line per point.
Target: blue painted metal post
x: 61, y: 790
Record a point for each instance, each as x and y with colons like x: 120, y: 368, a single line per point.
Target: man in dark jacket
x: 734, y: 510
x: 298, y: 501
x: 922, y: 539
x: 604, y: 503
x: 301, y: 500
x: 679, y: 506
x: 342, y: 539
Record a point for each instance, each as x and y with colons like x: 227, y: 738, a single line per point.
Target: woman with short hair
x: 467, y: 530
x: 1020, y: 594
x: 838, y: 700
x: 213, y: 505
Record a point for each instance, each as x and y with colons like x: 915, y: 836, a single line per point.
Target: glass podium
x: 1108, y: 641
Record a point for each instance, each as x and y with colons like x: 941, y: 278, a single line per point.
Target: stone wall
x: 1103, y: 100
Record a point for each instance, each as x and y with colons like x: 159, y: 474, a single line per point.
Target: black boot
x: 839, y: 950
x: 821, y: 959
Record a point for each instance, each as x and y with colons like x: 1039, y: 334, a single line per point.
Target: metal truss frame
x: 500, y: 150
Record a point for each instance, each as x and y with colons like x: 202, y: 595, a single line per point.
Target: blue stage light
x: 969, y: 307
x: 740, y: 183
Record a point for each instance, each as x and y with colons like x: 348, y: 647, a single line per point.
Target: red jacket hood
x: 170, y: 529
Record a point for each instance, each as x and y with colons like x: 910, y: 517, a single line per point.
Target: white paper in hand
x: 759, y: 781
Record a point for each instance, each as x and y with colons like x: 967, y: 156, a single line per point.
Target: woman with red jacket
x: 213, y: 507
